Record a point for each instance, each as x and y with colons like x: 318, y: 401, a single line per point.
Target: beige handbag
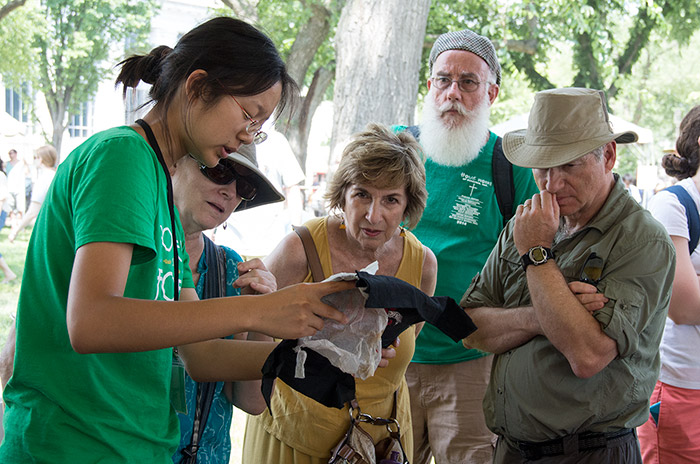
x: 357, y: 446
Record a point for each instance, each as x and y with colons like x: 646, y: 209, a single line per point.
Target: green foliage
x: 606, y: 37
x: 627, y: 161
x: 661, y: 89
x: 14, y: 254
x: 514, y: 98
x: 76, y: 41
x: 17, y: 54
x: 282, y: 21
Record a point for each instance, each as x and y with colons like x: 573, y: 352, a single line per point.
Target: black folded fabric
x: 413, y: 306
x: 405, y: 304
x: 323, y: 381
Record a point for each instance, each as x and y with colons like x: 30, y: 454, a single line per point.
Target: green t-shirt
x: 107, y: 408
x: 461, y: 223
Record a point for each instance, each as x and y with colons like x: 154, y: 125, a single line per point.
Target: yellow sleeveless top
x: 313, y: 429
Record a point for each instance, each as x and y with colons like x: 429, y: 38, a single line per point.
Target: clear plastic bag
x: 354, y: 348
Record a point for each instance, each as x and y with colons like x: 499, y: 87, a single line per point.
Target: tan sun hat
x: 564, y: 124
x: 267, y: 193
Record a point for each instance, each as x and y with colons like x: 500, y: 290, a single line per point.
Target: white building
x: 107, y: 108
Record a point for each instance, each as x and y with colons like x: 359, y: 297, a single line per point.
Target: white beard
x: 454, y: 146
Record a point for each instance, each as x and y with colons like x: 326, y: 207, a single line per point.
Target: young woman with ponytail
x: 95, y: 376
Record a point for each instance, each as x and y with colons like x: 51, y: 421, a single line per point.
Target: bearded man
x: 461, y: 224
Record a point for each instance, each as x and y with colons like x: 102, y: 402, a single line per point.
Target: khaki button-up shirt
x: 533, y: 394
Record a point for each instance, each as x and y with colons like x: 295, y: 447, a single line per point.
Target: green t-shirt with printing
x: 460, y: 224
x: 113, y: 407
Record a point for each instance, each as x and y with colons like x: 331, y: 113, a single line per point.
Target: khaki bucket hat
x: 267, y: 193
x: 564, y: 124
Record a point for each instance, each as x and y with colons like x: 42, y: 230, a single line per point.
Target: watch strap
x: 527, y: 258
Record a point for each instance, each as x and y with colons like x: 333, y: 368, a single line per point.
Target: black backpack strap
x: 502, y: 172
x: 414, y: 131
x: 691, y: 213
x: 214, y: 287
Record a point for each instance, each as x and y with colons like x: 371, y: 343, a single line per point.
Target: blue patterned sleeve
x: 232, y: 259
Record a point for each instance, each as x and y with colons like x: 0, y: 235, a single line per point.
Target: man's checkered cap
x: 471, y: 42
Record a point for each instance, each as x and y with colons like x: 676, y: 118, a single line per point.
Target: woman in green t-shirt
x: 94, y: 376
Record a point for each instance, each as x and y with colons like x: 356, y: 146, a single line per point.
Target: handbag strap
x: 205, y: 396
x: 396, y: 434
x: 393, y: 410
x: 348, y: 451
x: 214, y: 286
x: 215, y: 279
x: 311, y: 253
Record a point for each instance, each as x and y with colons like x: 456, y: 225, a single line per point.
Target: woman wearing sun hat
x: 205, y: 198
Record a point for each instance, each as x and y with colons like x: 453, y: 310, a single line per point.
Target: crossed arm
x: 502, y: 329
x: 560, y: 311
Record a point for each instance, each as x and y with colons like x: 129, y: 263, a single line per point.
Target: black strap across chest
x: 171, y: 208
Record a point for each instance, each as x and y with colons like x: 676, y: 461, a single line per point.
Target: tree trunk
x: 378, y: 53
x: 310, y: 37
x: 245, y: 10
x: 307, y: 42
x: 57, y: 109
x: 297, y: 132
x: 587, y: 64
x: 639, y: 38
x: 10, y: 6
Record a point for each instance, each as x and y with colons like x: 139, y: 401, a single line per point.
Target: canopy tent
x: 619, y: 125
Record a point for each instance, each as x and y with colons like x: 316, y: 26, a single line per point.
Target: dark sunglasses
x: 227, y: 171
x: 592, y: 269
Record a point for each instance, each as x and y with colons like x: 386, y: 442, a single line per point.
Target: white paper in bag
x: 356, y: 347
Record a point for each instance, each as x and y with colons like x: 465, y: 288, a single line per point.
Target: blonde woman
x: 379, y: 184
x: 46, y: 159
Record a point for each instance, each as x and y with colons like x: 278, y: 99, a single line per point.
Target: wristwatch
x: 536, y: 255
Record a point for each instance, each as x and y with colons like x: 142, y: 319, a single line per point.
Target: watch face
x: 537, y: 255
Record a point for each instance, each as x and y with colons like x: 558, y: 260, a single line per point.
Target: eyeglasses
x: 592, y: 269
x: 254, y: 126
x: 465, y: 85
x: 226, y: 172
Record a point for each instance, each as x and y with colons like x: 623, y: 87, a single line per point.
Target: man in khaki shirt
x: 573, y: 297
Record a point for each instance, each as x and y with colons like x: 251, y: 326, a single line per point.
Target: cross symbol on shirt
x: 472, y: 192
